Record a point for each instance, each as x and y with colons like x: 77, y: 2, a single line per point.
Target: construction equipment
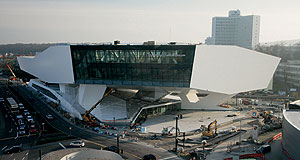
x: 13, y: 78
x: 167, y: 131
x: 208, y: 132
x: 268, y: 117
x: 87, y: 117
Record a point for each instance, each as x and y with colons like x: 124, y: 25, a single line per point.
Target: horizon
x: 133, y: 21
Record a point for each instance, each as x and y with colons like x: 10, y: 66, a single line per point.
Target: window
x: 161, y: 65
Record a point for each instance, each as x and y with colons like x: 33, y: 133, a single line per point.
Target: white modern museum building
x: 147, y: 79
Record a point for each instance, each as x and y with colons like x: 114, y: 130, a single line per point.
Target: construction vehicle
x: 87, y: 117
x: 268, y: 117
x: 167, y: 131
x: 208, y: 132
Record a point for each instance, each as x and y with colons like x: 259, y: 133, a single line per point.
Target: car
x: 49, y: 116
x: 112, y: 149
x: 21, y: 106
x: 264, y: 149
x: 77, y: 143
x: 29, y: 118
x: 32, y: 129
x: 26, y: 113
x: 19, y: 116
x: 20, y: 121
x: 21, y: 130
x: 149, y: 157
x: 13, y: 149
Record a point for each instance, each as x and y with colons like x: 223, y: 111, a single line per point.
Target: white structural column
x: 89, y: 94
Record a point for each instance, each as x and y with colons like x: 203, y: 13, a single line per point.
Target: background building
x: 236, y: 30
x: 287, y: 77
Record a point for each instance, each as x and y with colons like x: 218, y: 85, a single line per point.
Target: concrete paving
x: 192, y: 120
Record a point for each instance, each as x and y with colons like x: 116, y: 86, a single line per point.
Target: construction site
x: 235, y: 134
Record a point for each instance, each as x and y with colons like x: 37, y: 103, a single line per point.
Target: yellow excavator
x: 208, y: 132
x: 87, y: 117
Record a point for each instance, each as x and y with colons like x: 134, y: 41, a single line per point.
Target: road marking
x: 4, y: 148
x: 96, y: 143
x: 101, y: 145
x: 27, y: 153
x: 17, y: 135
x: 169, y: 157
x: 23, y: 158
x: 62, y: 145
x: 11, y: 155
x: 132, y: 155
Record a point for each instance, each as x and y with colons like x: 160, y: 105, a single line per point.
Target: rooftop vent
x: 117, y: 42
x: 150, y: 43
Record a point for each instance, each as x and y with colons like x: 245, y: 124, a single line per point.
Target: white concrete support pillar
x: 89, y: 94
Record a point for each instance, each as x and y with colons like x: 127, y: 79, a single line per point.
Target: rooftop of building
x: 117, y: 42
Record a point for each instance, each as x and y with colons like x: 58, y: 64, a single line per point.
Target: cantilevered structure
x: 76, y: 76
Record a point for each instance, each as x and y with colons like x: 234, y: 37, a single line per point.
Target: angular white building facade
x: 202, y: 76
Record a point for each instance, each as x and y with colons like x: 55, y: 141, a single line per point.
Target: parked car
x: 26, y: 113
x: 264, y: 149
x: 32, y: 129
x: 149, y: 157
x: 49, y: 116
x: 21, y: 106
x: 19, y: 116
x: 21, y: 130
x: 112, y: 149
x: 13, y: 149
x: 29, y: 118
x: 77, y: 143
x: 20, y: 121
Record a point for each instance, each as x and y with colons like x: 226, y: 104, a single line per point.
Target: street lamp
x: 240, y: 134
x: 176, y: 141
x: 203, y: 145
x: 70, y: 128
x: 43, y: 126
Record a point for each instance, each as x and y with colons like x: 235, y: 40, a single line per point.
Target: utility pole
x: 40, y: 152
x: 118, y: 144
x: 240, y: 134
x: 176, y: 141
x: 183, y: 139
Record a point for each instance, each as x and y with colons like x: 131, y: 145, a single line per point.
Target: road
x: 131, y: 150
x: 9, y: 136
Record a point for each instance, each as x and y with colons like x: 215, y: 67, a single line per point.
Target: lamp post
x: 203, y: 145
x: 70, y: 128
x: 118, y: 144
x: 240, y: 139
x: 176, y: 141
x: 43, y: 126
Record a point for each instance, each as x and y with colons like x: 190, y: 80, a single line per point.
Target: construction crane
x: 11, y: 77
x: 87, y: 117
x: 208, y: 131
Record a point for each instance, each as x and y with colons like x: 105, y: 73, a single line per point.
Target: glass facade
x: 133, y: 65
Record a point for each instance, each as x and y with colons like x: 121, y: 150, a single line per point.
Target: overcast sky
x: 135, y: 21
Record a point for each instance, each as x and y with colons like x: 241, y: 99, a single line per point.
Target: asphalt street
x: 131, y: 150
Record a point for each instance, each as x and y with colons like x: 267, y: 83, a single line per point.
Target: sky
x: 136, y: 21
